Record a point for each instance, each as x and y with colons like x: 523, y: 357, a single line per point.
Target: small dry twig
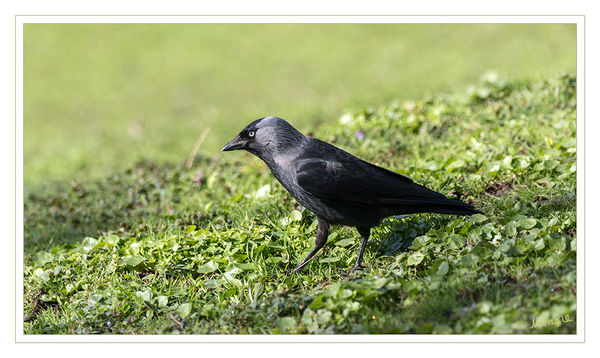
x: 197, y: 145
x: 177, y: 322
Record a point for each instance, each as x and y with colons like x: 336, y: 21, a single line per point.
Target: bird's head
x: 266, y: 136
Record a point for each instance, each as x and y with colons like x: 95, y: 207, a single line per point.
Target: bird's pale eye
x: 251, y: 134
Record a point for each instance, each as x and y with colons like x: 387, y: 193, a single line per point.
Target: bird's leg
x: 364, y: 232
x: 322, y: 233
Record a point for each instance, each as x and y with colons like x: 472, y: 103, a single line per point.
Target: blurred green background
x: 98, y: 97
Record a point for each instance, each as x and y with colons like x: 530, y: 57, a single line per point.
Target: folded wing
x: 347, y: 180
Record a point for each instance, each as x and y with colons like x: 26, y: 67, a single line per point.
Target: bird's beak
x: 234, y: 144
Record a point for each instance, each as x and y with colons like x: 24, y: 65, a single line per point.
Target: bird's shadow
x: 396, y: 234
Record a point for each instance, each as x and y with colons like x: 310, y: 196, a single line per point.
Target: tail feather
x: 440, y: 206
x: 456, y: 211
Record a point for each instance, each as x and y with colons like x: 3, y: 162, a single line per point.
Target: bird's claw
x: 296, y: 269
x: 355, y: 268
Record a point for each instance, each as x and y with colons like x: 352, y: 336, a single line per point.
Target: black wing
x: 338, y: 177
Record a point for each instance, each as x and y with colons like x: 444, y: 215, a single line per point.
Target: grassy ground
x: 158, y: 248
x: 100, y: 97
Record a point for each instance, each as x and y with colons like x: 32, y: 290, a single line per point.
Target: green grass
x: 99, y: 97
x: 158, y: 248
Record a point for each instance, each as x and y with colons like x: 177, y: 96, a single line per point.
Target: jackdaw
x: 337, y: 186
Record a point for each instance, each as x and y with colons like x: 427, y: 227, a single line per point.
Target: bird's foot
x: 296, y: 269
x: 355, y: 268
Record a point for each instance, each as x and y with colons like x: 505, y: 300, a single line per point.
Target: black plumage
x: 337, y: 186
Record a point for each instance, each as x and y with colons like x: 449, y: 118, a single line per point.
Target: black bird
x: 337, y: 186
